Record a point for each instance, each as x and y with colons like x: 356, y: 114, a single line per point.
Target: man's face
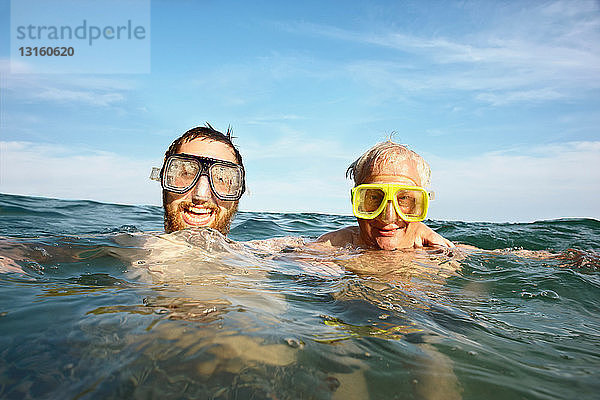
x: 199, y: 206
x: 388, y: 229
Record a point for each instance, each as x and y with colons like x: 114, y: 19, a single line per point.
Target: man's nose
x: 201, y: 192
x: 388, y: 215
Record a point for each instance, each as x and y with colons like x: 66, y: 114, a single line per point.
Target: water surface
x: 107, y: 307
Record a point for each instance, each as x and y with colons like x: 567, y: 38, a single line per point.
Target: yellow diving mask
x: 410, y: 202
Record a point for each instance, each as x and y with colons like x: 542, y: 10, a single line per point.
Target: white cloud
x: 59, y: 88
x: 79, y: 96
x: 296, y: 173
x: 314, y: 192
x: 270, y: 119
x: 73, y: 173
x: 537, y: 53
x: 503, y: 98
x: 14, y: 66
x: 293, y: 144
x: 543, y: 182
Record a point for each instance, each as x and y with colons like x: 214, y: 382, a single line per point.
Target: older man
x: 203, y: 179
x: 389, y: 200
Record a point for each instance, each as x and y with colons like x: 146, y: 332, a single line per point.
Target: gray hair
x: 387, y: 151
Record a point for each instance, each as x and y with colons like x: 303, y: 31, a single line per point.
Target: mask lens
x: 226, y: 180
x: 180, y: 174
x: 369, y: 200
x: 411, y: 202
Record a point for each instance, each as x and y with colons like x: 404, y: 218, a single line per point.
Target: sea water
x: 96, y: 303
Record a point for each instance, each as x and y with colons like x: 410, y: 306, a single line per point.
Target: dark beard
x: 173, y: 221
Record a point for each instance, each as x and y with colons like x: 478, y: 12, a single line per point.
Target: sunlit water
x: 107, y: 307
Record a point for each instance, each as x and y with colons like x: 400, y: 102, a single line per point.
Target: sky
x: 501, y: 98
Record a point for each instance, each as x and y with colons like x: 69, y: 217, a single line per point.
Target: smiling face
x: 199, y: 206
x: 388, y: 230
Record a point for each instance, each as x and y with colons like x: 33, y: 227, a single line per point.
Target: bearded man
x: 203, y: 179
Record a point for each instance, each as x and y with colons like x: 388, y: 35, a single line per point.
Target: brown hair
x: 205, y: 132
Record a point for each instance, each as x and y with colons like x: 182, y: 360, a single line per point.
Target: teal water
x: 106, y: 307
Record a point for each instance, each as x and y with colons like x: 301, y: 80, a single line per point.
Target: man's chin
x: 386, y: 244
x: 181, y: 218
x: 389, y: 243
x: 390, y: 239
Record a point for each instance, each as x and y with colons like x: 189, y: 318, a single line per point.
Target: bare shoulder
x: 341, y: 237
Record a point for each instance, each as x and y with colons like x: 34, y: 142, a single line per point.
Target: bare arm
x: 421, y: 235
x: 339, y: 238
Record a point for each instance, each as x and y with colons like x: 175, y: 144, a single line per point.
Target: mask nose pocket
x: 389, y: 213
x: 202, y: 189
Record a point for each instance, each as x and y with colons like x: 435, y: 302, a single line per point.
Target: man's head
x: 389, y: 165
x: 216, y: 169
